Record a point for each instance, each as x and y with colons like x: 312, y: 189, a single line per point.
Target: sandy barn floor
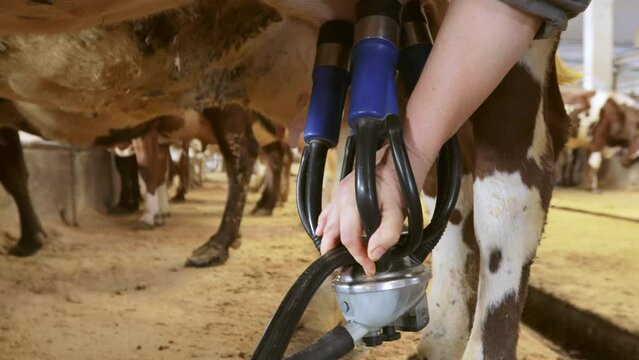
x: 102, y: 291
x: 590, y: 260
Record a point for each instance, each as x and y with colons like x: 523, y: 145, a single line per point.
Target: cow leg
x: 127, y: 167
x: 14, y: 178
x: 452, y: 299
x: 183, y: 174
x: 258, y: 175
x: 594, y: 165
x: 232, y: 129
x: 514, y: 175
x: 273, y: 156
x: 147, y: 152
x: 163, y: 194
x: 286, y: 174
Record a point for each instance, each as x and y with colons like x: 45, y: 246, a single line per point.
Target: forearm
x: 478, y: 43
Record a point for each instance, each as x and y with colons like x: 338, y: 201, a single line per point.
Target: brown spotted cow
x: 80, y: 86
x: 602, y: 123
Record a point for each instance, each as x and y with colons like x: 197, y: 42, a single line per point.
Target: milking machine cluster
x: 387, y: 38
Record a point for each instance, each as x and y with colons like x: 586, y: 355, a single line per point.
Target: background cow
x: 602, y: 123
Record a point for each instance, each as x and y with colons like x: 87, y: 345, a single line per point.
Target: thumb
x: 387, y: 234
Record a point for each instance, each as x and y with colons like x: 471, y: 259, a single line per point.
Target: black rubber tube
x: 367, y: 131
x: 349, y: 157
x: 314, y: 183
x: 332, y: 345
x: 280, y: 330
x: 449, y: 174
x: 300, y: 194
x: 410, y: 191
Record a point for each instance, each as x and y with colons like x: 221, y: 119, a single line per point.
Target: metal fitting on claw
x: 395, y: 297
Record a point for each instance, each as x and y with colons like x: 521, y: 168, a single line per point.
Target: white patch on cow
x: 539, y: 144
x: 262, y: 135
x: 508, y: 217
x: 175, y: 153
x: 177, y: 63
x: 589, y: 118
x: 447, y: 332
x: 536, y: 61
x: 595, y: 159
x: 163, y: 200
x: 623, y: 99
x: 258, y: 176
x: 573, y: 107
x: 151, y: 208
x: 123, y: 152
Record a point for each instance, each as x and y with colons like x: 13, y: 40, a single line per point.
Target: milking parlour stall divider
x: 385, y: 40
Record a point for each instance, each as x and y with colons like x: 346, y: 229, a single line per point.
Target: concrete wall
x: 64, y: 182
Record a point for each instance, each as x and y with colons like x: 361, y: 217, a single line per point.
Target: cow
x: 602, y: 122
x: 211, y: 53
x: 277, y: 158
x: 127, y: 167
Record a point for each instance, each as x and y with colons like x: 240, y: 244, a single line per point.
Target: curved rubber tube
x: 367, y: 131
x: 332, y: 345
x: 279, y: 332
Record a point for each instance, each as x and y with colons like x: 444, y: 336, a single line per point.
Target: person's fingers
x: 321, y: 221
x: 387, y: 234
x: 330, y: 231
x: 351, y: 237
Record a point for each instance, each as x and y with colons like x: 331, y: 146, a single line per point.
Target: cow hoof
x: 158, y: 220
x: 178, y: 198
x: 143, y: 226
x: 27, y: 246
x: 208, y: 255
x: 261, y: 212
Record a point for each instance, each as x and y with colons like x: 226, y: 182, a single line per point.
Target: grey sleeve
x: 555, y: 13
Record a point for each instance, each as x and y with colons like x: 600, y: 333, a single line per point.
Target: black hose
x: 449, y: 174
x: 367, y: 131
x: 332, y: 345
x: 315, y: 181
x: 301, y: 198
x: 349, y: 157
x: 279, y: 332
x: 410, y: 191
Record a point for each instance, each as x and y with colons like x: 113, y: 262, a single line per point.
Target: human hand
x: 340, y: 221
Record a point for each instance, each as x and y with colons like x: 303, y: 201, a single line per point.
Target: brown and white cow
x: 601, y: 123
x: 77, y: 87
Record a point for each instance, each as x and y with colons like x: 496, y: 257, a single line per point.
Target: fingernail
x: 370, y: 270
x: 376, y: 253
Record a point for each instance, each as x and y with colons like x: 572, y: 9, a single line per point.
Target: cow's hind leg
x: 274, y: 157
x: 452, y: 298
x: 182, y: 170
x: 14, y: 177
x: 286, y: 174
x: 152, y: 171
x: 232, y: 128
x: 514, y: 174
x: 455, y: 262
